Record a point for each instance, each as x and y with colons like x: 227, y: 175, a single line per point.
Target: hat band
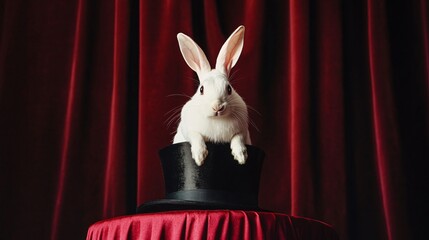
x: 214, y: 196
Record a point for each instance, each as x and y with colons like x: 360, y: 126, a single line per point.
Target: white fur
x: 216, y: 115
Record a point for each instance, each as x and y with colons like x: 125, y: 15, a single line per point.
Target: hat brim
x: 163, y: 205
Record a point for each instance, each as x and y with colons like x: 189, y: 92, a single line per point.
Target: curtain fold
x: 159, y: 79
x: 91, y: 90
x: 70, y: 102
x: 115, y: 178
x: 386, y: 145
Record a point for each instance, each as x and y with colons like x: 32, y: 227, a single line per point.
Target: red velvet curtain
x: 341, y: 88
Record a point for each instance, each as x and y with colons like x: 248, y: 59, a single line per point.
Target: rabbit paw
x: 239, y: 152
x: 199, y: 153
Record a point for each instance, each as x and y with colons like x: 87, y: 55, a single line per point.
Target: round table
x: 211, y: 224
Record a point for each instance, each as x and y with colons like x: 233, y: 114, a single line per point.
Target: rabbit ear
x: 230, y: 51
x: 193, y: 55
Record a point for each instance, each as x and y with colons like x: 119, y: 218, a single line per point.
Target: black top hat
x: 220, y: 183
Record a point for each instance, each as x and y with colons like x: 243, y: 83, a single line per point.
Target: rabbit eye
x: 229, y: 89
x: 202, y: 90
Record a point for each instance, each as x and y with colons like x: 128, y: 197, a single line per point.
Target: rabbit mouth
x: 219, y: 114
x: 219, y: 110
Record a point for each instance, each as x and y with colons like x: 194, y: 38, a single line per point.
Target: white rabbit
x: 216, y: 113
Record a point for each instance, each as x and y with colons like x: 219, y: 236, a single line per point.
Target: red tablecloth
x: 213, y: 224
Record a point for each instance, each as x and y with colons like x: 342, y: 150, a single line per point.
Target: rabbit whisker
x: 196, y: 80
x: 174, y: 117
x: 253, y: 124
x: 254, y: 110
x: 233, y: 75
x: 179, y: 95
x: 173, y: 110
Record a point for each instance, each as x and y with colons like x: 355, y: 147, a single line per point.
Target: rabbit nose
x: 218, y: 107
